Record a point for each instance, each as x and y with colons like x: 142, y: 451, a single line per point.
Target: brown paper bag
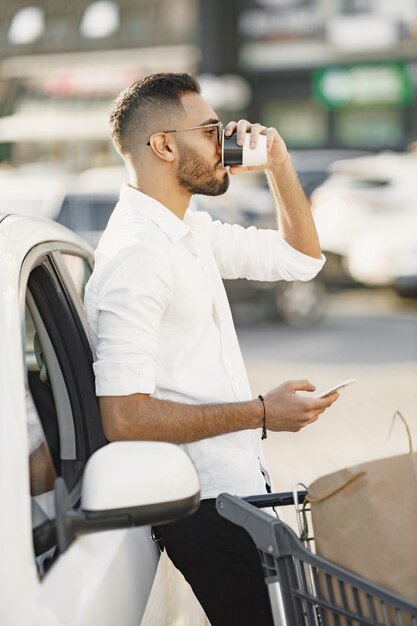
x: 365, y: 520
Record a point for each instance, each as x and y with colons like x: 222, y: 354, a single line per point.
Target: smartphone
x: 323, y: 394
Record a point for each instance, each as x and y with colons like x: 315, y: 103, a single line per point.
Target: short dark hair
x: 147, y: 99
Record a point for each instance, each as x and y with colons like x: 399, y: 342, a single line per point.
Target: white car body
x: 103, y: 578
x: 387, y: 252
x: 366, y: 213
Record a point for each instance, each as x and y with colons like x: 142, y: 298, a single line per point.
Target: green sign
x: 364, y: 84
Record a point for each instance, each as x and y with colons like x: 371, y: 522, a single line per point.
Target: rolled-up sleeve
x: 130, y: 306
x: 257, y: 254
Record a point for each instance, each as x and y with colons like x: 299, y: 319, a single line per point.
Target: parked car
x: 386, y: 254
x: 366, y: 216
x: 314, y: 166
x: 35, y: 189
x: 90, y: 200
x: 81, y: 201
x: 62, y: 484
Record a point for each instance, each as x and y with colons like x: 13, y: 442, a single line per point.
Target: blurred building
x: 327, y: 73
x: 63, y: 61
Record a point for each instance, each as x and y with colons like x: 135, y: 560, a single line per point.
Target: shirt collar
x: 165, y: 219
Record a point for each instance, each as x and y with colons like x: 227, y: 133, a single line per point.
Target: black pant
x: 222, y: 565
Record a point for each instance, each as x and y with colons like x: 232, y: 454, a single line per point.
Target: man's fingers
x: 256, y: 130
x: 289, y: 411
x: 332, y: 397
x: 314, y: 414
x: 236, y: 169
x: 328, y: 400
x: 301, y: 385
x: 271, y: 136
x: 230, y: 128
x: 242, y: 128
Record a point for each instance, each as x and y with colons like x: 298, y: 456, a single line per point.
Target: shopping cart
x: 305, y: 589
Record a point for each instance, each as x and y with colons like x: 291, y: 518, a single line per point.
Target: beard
x: 196, y: 176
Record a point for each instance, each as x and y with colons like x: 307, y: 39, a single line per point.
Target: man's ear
x: 163, y: 146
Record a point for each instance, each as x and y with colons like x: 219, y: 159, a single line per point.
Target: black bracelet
x: 264, y: 433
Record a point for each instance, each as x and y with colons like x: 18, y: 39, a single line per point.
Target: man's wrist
x: 256, y: 413
x: 278, y: 167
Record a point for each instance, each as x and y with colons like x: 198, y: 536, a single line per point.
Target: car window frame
x: 70, y: 287
x: 88, y: 436
x: 53, y: 251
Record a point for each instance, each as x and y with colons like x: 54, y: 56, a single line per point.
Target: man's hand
x: 276, y: 148
x: 293, y: 211
x: 287, y: 410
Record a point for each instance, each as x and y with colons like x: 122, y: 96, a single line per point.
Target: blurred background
x: 338, y: 78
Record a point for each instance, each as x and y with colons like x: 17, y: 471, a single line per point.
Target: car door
x: 101, y: 578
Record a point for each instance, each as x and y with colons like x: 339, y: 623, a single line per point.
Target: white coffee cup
x: 232, y: 154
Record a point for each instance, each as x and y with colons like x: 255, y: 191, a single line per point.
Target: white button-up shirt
x: 160, y: 322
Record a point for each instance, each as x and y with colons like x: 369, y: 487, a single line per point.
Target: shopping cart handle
x: 257, y: 523
x: 284, y: 498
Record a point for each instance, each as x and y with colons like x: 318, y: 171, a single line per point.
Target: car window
x: 85, y: 212
x: 43, y: 448
x: 45, y: 466
x: 63, y: 419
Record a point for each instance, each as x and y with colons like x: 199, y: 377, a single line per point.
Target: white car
x: 366, y: 215
x: 82, y: 202
x: 76, y: 546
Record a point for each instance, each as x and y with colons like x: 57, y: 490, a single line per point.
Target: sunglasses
x: 217, y: 125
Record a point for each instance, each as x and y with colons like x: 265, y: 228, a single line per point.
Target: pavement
x: 367, y: 336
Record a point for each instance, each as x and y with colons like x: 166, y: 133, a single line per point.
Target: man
x: 167, y: 361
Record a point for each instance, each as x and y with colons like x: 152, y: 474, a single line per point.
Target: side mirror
x: 129, y: 483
